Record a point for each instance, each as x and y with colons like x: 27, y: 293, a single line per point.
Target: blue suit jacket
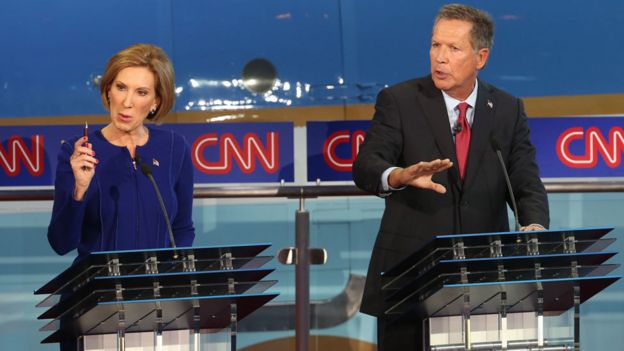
x: 121, y: 210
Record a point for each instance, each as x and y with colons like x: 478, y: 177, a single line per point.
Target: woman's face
x: 132, y: 96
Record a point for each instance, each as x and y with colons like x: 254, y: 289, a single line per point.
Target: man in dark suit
x: 430, y: 153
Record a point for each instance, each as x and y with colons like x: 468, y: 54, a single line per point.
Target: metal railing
x: 304, y: 191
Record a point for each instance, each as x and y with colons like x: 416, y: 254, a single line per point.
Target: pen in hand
x: 86, y: 133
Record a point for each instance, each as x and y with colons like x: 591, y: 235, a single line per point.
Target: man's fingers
x: 419, y: 175
x: 438, y: 188
x: 428, y: 168
x: 445, y: 165
x: 531, y: 227
x: 442, y: 165
x: 420, y: 168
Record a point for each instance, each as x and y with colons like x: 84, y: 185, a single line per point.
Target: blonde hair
x: 153, y: 58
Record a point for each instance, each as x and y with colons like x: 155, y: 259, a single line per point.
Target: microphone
x: 147, y: 171
x: 497, y: 148
x: 457, y: 128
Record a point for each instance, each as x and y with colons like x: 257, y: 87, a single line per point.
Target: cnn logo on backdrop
x: 17, y: 153
x: 247, y: 153
x: 593, y: 145
x: 346, y: 139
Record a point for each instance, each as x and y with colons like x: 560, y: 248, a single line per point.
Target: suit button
x: 463, y: 203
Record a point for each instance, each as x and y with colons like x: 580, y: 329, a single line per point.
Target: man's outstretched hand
x: 419, y: 175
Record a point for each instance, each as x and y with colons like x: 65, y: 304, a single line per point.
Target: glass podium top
x: 134, y: 262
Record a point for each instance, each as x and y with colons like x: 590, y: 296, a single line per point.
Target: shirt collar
x: 451, y: 103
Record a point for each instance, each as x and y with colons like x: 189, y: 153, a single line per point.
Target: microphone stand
x: 497, y: 148
x: 148, y: 173
x: 455, y: 195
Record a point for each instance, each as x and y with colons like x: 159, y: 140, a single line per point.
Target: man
x: 430, y: 153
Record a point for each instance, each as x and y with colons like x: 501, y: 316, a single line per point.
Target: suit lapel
x: 433, y: 105
x: 481, y: 130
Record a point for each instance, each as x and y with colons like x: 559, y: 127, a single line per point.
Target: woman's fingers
x: 81, y: 142
x: 83, y: 157
x: 84, y: 150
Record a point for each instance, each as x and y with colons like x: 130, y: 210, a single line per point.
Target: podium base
x: 521, y: 332
x: 172, y: 340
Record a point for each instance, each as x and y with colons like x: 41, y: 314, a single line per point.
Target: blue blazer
x: 120, y: 210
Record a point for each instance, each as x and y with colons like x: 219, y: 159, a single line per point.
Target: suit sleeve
x: 67, y: 214
x: 382, y: 145
x: 524, y: 175
x: 182, y: 224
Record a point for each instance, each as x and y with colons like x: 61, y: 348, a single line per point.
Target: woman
x: 102, y: 200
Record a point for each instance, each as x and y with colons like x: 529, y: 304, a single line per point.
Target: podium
x: 467, y: 289
x: 116, y: 293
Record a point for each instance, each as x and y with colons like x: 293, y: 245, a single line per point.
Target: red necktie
x: 462, y: 139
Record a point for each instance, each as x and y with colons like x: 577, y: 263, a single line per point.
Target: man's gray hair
x: 482, y: 33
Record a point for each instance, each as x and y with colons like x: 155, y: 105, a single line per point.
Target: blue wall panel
x: 53, y: 50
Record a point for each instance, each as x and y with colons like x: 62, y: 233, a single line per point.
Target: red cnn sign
x: 594, y: 144
x: 246, y: 153
x: 17, y: 153
x: 338, y: 138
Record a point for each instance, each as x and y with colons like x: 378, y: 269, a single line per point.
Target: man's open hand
x: 419, y: 175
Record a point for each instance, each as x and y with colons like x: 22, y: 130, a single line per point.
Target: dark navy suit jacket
x: 411, y: 125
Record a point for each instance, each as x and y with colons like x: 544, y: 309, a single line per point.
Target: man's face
x: 454, y: 61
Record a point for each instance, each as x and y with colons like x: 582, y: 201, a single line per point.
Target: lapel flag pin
x: 490, y: 104
x: 155, y: 162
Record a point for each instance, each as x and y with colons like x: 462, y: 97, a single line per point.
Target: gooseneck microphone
x: 497, y: 148
x: 147, y: 171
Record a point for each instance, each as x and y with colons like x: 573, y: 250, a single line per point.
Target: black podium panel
x: 546, y: 272
x: 487, y: 269
x: 514, y: 243
x: 140, y: 315
x: 448, y: 300
x: 514, y: 236
x: 142, y: 286
x: 96, y: 263
x: 137, y: 269
x: 156, y: 290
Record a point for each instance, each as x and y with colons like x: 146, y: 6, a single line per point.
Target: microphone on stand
x: 497, y: 148
x: 147, y: 171
x: 457, y: 128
